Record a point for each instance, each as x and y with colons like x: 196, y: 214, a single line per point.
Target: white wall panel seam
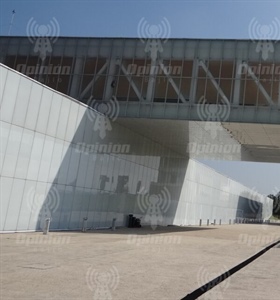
x: 15, y: 99
x: 8, y: 206
x: 27, y: 107
x: 3, y: 92
x: 63, y: 199
x: 63, y: 158
x: 6, y: 146
x: 61, y: 161
x: 40, y: 161
x: 30, y: 215
x: 37, y: 117
x: 212, y: 187
x: 20, y: 204
x: 51, y: 159
x: 58, y: 114
x: 30, y: 109
x: 18, y: 152
x: 49, y: 114
x: 10, y: 141
x: 35, y: 193
x: 73, y: 202
x: 8, y: 138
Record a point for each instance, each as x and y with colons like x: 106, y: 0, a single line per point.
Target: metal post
x: 220, y: 221
x: 114, y: 224
x: 200, y: 222
x: 84, y: 229
x: 47, y: 226
x: 229, y: 221
x: 214, y: 221
x: 207, y: 222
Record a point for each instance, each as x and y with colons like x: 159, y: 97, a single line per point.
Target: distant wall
x: 207, y: 194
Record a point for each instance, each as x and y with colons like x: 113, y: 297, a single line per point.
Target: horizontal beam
x: 240, y: 114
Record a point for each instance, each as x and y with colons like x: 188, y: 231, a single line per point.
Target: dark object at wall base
x: 133, y: 222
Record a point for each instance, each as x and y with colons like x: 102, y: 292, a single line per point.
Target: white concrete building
x: 134, y: 152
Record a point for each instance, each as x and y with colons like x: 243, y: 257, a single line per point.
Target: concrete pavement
x: 166, y: 263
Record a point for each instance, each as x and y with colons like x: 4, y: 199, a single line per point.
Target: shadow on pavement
x: 148, y: 230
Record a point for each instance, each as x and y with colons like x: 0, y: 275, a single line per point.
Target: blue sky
x: 262, y: 177
x: 187, y: 19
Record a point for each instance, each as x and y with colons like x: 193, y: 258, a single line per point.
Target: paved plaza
x: 166, y: 263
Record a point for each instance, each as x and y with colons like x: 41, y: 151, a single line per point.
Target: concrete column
x: 237, y: 82
x: 152, y: 81
x: 111, y: 77
x: 77, y: 72
x: 279, y: 92
x: 194, y: 80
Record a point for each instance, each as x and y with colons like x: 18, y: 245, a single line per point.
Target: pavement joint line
x: 211, y: 284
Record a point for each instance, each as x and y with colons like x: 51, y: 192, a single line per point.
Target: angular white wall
x: 45, y: 172
x: 207, y: 194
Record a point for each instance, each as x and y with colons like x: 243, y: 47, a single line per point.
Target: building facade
x: 63, y: 160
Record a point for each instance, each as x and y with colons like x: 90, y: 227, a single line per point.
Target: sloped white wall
x: 207, y: 194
